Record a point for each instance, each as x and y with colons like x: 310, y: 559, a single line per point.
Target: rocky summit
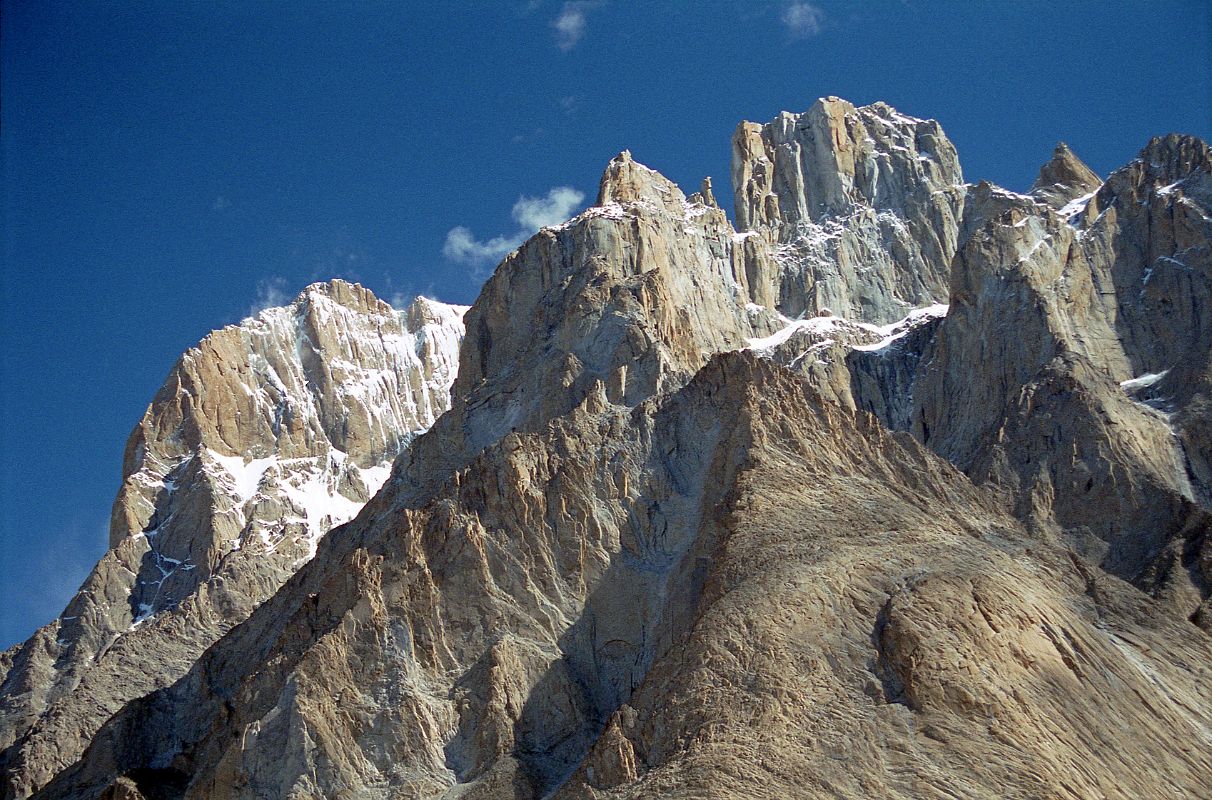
x: 263, y: 437
x: 902, y: 487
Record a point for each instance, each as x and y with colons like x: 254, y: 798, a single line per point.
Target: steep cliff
x: 860, y: 205
x: 1048, y: 378
x: 631, y: 561
x: 263, y: 437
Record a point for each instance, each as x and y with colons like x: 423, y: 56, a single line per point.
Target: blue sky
x: 168, y: 167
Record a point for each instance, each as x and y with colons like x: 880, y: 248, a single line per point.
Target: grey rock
x: 860, y: 205
x: 1056, y: 325
x: 263, y: 437
x: 1064, y: 179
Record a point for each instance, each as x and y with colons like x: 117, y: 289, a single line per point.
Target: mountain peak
x: 831, y: 105
x: 826, y: 183
x: 1176, y: 155
x: 626, y: 180
x: 427, y: 311
x: 833, y: 158
x: 346, y: 293
x: 1064, y: 178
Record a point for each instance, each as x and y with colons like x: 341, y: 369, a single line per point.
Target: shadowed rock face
x: 1049, y: 379
x: 263, y: 437
x: 630, y: 562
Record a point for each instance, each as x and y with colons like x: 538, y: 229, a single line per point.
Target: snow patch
x: 1075, y: 207
x: 900, y: 329
x: 375, y: 477
x: 1170, y: 189
x: 1143, y: 381
x: 828, y: 325
x: 813, y: 325
x: 246, y: 475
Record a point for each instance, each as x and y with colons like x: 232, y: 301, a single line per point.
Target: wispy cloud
x: 401, y: 300
x: 220, y: 204
x: 803, y: 20
x: 462, y: 246
x: 569, y: 103
x: 570, y: 23
x: 531, y: 213
x: 271, y: 292
x: 50, y: 578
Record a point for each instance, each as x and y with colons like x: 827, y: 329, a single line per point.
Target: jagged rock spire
x: 704, y: 195
x: 834, y: 157
x: 625, y: 180
x: 1064, y: 178
x: 863, y: 202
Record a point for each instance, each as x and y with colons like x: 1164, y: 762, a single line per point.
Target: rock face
x: 1076, y: 319
x: 1064, y: 179
x: 862, y: 207
x: 263, y: 437
x: 756, y: 514
x: 635, y: 294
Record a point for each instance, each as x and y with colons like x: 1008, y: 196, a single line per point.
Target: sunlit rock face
x: 264, y: 436
x: 899, y: 490
x: 1071, y: 370
x: 861, y: 207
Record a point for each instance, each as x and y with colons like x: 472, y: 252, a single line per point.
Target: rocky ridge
x: 1067, y: 414
x: 861, y: 207
x: 628, y: 562
x: 263, y: 437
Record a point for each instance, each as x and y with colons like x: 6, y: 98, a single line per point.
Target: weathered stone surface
x: 1058, y: 330
x: 263, y: 437
x: 860, y: 205
x: 1064, y: 178
x: 741, y: 590
x: 630, y: 563
x: 858, y: 365
x: 634, y: 295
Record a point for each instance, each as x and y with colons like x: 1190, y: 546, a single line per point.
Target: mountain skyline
x: 900, y: 482
x: 182, y: 168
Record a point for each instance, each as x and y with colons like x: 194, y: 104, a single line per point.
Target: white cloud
x: 531, y: 213
x: 462, y: 246
x: 271, y: 293
x: 58, y: 573
x: 569, y: 24
x: 803, y: 20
